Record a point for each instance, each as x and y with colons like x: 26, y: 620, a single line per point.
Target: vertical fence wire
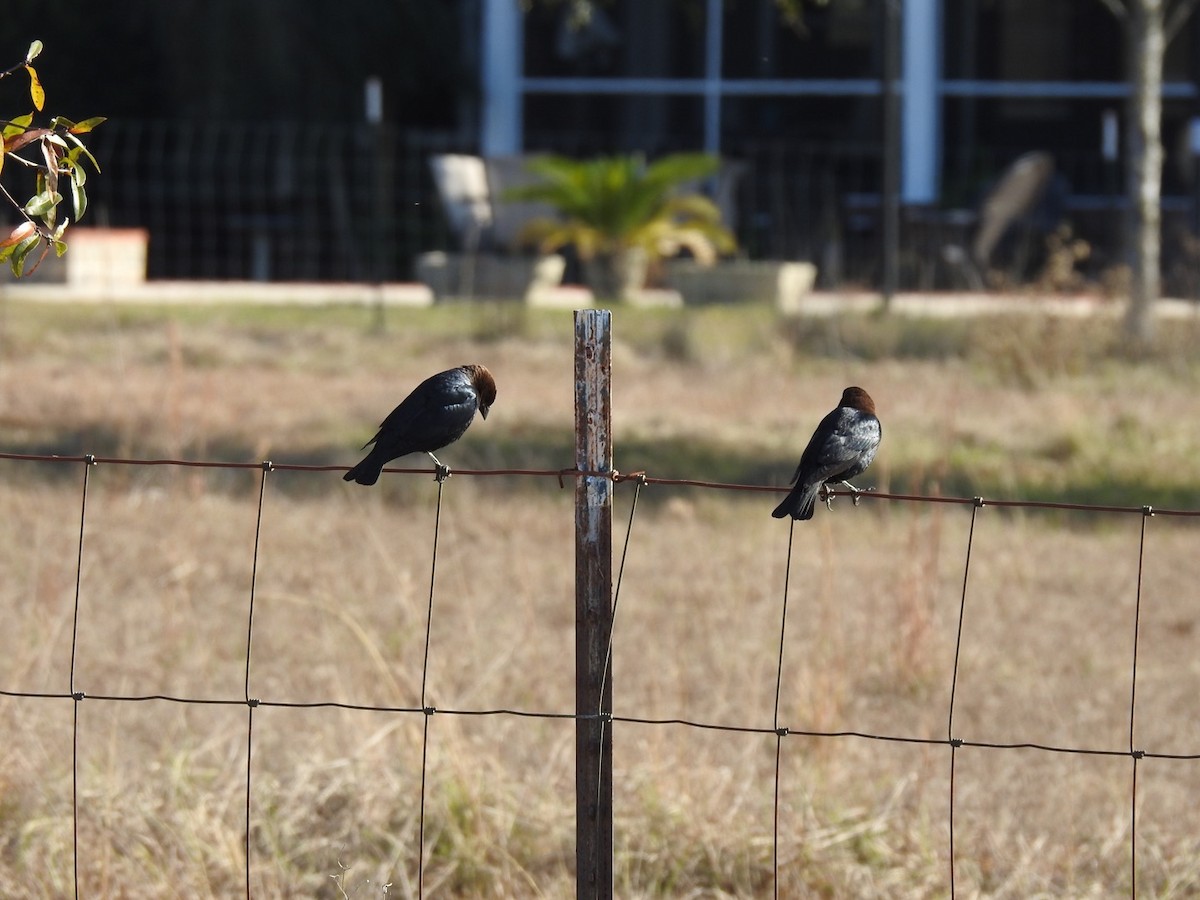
x: 251, y: 703
x: 428, y: 711
x: 76, y: 697
x: 1134, y: 753
x: 954, y: 742
x: 639, y: 483
x: 780, y: 733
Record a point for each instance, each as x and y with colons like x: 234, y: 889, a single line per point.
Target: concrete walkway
x: 815, y: 303
x: 953, y: 305
x: 193, y: 292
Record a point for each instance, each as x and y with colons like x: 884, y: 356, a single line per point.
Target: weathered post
x: 593, y: 604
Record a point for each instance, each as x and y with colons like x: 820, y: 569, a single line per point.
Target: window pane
x: 621, y: 39
x: 834, y: 41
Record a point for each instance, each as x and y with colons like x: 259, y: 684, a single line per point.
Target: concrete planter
x: 743, y: 281
x: 97, y: 258
x: 490, y: 276
x: 616, y: 276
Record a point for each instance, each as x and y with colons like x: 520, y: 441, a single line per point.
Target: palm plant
x: 622, y: 215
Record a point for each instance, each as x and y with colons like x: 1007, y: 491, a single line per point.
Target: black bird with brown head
x: 841, y: 448
x: 433, y: 416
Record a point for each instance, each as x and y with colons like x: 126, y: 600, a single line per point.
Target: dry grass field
x: 1020, y: 408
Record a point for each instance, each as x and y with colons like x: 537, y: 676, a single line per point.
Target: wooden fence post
x: 593, y: 604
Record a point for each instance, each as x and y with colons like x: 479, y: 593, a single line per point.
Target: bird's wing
x: 446, y: 392
x: 839, y: 442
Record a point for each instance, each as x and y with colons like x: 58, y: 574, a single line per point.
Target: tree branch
x: 1117, y: 8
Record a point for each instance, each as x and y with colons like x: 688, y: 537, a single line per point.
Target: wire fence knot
x: 78, y: 695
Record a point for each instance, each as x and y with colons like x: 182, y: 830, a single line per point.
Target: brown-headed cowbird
x: 841, y: 448
x: 435, y: 414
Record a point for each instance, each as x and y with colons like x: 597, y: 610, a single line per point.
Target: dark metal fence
x: 331, y: 202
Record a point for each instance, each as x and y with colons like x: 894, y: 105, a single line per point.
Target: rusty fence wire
x: 952, y: 742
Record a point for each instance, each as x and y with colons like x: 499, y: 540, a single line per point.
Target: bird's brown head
x: 485, y: 386
x: 857, y: 398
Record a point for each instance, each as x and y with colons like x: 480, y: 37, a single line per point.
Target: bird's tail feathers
x: 366, y: 472
x: 800, y: 503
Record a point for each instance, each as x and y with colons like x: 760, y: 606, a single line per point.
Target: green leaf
x: 42, y: 204
x: 78, y: 196
x: 34, y: 51
x: 86, y: 125
x: 36, y: 92
x: 18, y: 125
x: 70, y: 163
x: 78, y: 172
x: 22, y: 250
x: 84, y: 150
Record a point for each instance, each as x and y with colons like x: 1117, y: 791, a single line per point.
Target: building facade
x: 980, y: 82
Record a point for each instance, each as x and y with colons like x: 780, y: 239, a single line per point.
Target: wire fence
x: 334, y: 202
x: 953, y: 741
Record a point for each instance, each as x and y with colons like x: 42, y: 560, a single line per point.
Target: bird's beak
x: 483, y: 411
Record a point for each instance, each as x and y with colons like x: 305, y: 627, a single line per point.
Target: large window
x: 839, y: 40
x: 653, y: 75
x: 1046, y: 74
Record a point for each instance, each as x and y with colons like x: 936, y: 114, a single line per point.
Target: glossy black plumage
x: 841, y: 448
x: 434, y: 415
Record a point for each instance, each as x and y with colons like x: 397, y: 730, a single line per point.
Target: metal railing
x: 329, y: 202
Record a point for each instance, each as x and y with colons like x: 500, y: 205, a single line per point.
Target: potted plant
x: 623, y: 215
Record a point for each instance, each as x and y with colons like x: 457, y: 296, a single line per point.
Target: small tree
x: 1149, y: 27
x: 56, y: 154
x: 621, y: 214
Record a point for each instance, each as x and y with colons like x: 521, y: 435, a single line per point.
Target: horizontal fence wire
x: 640, y: 479
x: 618, y: 477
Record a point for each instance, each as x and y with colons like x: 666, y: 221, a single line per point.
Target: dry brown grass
x: 340, y: 612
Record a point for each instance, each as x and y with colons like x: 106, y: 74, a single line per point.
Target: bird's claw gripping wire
x: 440, y: 472
x: 856, y: 491
x: 827, y: 493
x: 827, y: 496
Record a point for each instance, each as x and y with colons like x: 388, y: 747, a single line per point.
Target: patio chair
x: 462, y: 187
x: 1010, y: 203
